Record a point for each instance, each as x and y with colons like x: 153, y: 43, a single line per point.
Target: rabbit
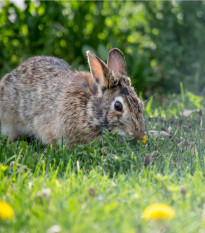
x: 43, y: 97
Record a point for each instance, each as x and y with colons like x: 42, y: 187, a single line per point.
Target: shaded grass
x: 104, y: 186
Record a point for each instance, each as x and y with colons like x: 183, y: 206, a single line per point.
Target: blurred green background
x: 163, y: 42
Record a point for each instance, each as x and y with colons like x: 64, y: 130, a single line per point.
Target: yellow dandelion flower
x: 144, y: 139
x: 158, y: 211
x: 3, y: 167
x: 6, y: 211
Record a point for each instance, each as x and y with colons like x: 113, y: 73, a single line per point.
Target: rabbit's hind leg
x: 11, y: 130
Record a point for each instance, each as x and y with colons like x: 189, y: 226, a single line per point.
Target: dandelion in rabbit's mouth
x: 144, y: 139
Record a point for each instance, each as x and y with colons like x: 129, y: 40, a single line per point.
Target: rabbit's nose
x: 139, y: 134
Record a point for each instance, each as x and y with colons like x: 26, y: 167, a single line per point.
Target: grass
x: 105, y: 186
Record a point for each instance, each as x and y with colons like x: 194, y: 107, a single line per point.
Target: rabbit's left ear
x: 116, y: 62
x: 98, y: 69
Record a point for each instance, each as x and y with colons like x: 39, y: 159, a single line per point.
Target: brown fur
x: 46, y: 98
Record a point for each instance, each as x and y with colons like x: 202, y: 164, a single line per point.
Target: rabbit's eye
x: 118, y: 106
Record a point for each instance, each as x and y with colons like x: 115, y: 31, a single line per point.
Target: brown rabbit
x: 44, y: 97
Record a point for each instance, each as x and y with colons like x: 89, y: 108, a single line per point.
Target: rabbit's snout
x: 139, y: 135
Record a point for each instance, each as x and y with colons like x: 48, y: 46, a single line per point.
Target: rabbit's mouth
x: 132, y: 135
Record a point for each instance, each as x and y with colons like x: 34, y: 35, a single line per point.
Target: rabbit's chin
x: 122, y: 134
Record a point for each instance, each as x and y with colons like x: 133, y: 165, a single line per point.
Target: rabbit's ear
x: 116, y: 62
x: 98, y: 69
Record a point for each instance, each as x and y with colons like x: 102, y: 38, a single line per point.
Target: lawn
x: 106, y: 185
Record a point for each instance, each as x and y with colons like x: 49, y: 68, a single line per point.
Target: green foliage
x: 177, y: 31
x: 162, y: 41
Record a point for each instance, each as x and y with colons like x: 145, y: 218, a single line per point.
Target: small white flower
x: 45, y: 192
x: 54, y: 229
x: 30, y: 185
x: 100, y: 197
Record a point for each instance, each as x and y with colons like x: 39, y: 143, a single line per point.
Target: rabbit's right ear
x: 116, y: 62
x: 98, y: 69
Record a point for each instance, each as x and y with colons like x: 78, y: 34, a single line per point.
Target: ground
x: 106, y: 185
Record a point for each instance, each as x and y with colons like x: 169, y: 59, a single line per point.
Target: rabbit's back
x: 34, y: 85
x: 29, y: 94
